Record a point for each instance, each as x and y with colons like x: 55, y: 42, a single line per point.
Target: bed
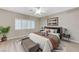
x: 46, y: 43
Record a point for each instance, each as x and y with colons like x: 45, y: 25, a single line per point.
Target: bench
x: 29, y: 45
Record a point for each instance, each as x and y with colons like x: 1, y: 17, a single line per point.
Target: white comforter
x: 11, y: 46
x: 44, y: 43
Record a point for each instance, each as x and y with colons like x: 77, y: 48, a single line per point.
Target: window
x: 17, y: 24
x: 24, y: 24
x: 31, y: 24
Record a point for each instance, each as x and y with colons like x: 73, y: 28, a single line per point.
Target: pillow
x: 47, y: 30
x: 57, y: 34
x: 53, y: 30
x: 45, y: 33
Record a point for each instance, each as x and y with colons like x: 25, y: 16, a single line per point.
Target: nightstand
x: 66, y: 36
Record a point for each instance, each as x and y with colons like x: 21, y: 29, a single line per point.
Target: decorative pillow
x: 45, y: 33
x: 47, y: 30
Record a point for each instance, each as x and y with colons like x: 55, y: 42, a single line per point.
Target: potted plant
x: 3, y: 32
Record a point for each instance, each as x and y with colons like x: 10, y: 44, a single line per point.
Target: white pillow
x: 53, y: 30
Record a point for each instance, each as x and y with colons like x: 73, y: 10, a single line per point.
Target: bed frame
x: 59, y: 30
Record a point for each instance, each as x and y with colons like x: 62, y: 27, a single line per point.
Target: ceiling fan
x: 39, y: 11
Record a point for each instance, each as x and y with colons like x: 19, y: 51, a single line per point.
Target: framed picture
x: 52, y: 21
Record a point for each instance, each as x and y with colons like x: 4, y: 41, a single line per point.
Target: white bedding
x: 11, y: 46
x: 44, y: 43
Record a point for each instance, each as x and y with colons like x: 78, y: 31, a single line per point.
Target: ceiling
x: 45, y: 11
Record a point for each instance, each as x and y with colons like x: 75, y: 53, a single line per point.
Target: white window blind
x: 17, y: 24
x: 24, y: 24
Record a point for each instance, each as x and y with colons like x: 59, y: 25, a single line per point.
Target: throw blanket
x: 53, y: 39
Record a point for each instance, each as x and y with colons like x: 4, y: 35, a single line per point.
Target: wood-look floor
x: 67, y: 46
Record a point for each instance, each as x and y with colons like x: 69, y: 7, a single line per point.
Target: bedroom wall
x: 7, y: 18
x: 70, y: 20
x: 43, y: 22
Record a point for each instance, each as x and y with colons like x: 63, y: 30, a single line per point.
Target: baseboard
x: 16, y: 37
x: 74, y: 41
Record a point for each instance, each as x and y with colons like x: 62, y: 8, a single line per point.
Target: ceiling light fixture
x: 38, y: 11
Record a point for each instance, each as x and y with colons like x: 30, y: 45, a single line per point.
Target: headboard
x: 59, y: 30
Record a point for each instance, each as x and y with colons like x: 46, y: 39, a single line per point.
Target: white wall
x: 7, y: 18
x: 43, y: 22
x: 70, y: 20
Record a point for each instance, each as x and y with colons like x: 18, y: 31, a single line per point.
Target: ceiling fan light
x: 38, y: 11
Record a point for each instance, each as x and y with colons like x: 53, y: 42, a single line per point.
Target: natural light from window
x: 24, y: 24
